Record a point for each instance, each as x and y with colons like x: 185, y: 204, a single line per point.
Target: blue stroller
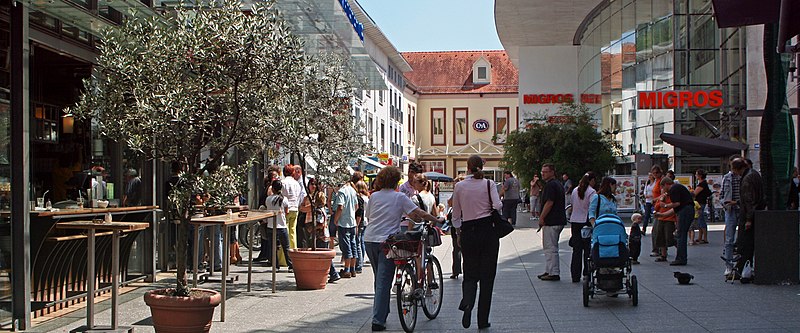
x: 609, y: 264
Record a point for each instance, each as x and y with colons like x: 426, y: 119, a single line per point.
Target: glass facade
x: 650, y: 45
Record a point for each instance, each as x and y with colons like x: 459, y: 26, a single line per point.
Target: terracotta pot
x: 182, y: 314
x: 311, y: 267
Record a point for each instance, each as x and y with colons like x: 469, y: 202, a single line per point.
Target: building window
x: 482, y: 73
x: 383, y: 136
x: 435, y: 166
x: 460, y: 130
x: 500, y: 124
x: 657, y: 130
x: 380, y: 97
x: 437, y: 127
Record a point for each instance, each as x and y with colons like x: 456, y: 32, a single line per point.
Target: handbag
x: 747, y: 272
x: 500, y: 225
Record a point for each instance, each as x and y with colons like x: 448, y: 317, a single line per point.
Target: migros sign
x: 680, y: 99
x: 560, y: 98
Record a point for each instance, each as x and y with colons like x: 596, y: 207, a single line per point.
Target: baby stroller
x: 609, y: 266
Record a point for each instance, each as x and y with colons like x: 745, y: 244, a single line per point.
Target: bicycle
x: 416, y: 285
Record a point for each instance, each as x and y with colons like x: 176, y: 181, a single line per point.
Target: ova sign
x: 680, y: 99
x: 481, y: 125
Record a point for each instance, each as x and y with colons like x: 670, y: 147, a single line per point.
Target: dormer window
x: 481, y: 71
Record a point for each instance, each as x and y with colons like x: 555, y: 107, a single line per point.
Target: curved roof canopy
x: 522, y: 23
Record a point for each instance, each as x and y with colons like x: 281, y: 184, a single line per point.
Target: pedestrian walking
x: 536, y: 189
x: 473, y: 201
x: 279, y: 204
x: 551, y: 221
x: 581, y: 198
x: 648, y: 203
x: 604, y: 202
x: 510, y: 194
x: 385, y: 208
x: 730, y: 203
x: 344, y: 207
x: 455, y: 233
x: 701, y: 194
x: 752, y: 194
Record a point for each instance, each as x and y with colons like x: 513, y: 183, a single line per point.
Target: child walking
x: 277, y: 203
x: 635, y: 238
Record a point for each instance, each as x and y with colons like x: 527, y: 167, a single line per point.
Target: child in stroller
x: 610, y: 262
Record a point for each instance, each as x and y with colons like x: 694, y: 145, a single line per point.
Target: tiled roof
x: 450, y: 72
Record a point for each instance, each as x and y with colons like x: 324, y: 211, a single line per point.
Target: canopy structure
x: 438, y: 177
x: 709, y: 147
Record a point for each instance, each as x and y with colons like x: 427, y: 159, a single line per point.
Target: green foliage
x: 574, y: 147
x: 202, y: 81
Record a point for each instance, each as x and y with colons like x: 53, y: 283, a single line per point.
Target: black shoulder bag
x: 500, y: 225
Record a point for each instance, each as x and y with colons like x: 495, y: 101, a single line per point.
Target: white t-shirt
x: 365, y: 220
x: 580, y: 208
x: 427, y: 199
x: 280, y: 208
x: 384, y: 211
x: 648, y: 192
x: 292, y: 191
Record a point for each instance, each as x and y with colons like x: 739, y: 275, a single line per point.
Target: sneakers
x: 378, y: 327
x: 677, y: 263
x: 334, y: 278
x: 728, y: 271
x: 551, y: 278
x: 345, y: 275
x: 540, y: 276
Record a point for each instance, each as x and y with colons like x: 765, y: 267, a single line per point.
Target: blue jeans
x: 360, y: 244
x: 685, y: 218
x: 282, y: 237
x: 701, y: 220
x: 217, y: 239
x: 731, y: 221
x: 648, y: 214
x: 347, y: 242
x: 332, y: 271
x: 383, y: 271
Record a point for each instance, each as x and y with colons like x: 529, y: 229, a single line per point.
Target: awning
x: 708, y: 147
x: 371, y: 162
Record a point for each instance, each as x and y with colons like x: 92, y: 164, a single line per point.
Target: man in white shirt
x: 292, y: 193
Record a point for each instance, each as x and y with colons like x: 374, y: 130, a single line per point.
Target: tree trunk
x: 181, y: 287
x: 777, y: 129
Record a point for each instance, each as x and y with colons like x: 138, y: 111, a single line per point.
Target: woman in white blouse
x: 473, y: 201
x: 581, y: 197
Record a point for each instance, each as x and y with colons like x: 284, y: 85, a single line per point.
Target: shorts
x: 664, y: 234
x: 347, y: 242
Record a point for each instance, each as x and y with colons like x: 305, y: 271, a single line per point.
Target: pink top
x: 471, y: 202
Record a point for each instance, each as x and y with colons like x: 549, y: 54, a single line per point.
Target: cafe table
x: 227, y: 221
x: 116, y: 227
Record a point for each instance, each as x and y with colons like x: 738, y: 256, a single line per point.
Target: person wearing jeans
x: 730, y: 202
x: 683, y: 204
x: 384, y: 210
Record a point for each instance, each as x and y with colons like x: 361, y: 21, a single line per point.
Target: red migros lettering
x: 680, y: 99
x: 547, y: 98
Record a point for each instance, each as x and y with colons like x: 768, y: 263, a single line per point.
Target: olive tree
x: 190, y: 86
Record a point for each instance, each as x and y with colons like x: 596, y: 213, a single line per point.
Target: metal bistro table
x: 228, y: 222
x: 116, y: 228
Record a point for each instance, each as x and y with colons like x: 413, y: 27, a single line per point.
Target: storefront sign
x: 357, y: 26
x: 481, y: 125
x: 560, y: 98
x: 383, y: 157
x: 560, y: 119
x: 680, y: 99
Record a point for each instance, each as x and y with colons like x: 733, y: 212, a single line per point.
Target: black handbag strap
x: 597, y: 210
x: 421, y: 204
x: 489, y: 193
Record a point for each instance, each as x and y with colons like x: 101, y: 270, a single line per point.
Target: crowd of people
x: 359, y: 217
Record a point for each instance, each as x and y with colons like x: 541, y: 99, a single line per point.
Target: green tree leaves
x: 573, y: 147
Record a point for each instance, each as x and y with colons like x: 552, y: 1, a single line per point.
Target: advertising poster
x: 626, y: 193
x: 685, y: 180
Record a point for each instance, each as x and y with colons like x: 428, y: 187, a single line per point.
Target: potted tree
x: 190, y: 86
x: 324, y: 131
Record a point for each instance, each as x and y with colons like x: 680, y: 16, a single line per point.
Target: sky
x: 436, y: 25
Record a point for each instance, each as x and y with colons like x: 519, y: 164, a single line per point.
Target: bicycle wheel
x: 433, y: 288
x: 406, y: 299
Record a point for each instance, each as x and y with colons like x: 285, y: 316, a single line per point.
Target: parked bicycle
x: 418, y: 274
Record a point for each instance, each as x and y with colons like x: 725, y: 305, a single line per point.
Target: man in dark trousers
x: 751, y: 192
x: 683, y: 204
x: 552, y: 221
x: 510, y: 195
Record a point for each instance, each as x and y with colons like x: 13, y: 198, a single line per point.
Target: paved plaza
x: 522, y: 303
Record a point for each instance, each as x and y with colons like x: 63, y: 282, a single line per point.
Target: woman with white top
x: 648, y: 203
x: 581, y: 197
x: 278, y: 203
x: 385, y: 208
x: 473, y: 201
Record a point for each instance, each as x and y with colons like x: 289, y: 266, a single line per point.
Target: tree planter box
x: 182, y: 314
x: 777, y: 247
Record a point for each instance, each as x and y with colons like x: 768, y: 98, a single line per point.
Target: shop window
x: 460, y: 129
x: 437, y: 127
x: 657, y: 130
x: 45, y: 123
x: 500, y: 124
x: 435, y: 166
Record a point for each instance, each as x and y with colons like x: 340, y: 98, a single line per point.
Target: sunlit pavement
x: 522, y: 303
